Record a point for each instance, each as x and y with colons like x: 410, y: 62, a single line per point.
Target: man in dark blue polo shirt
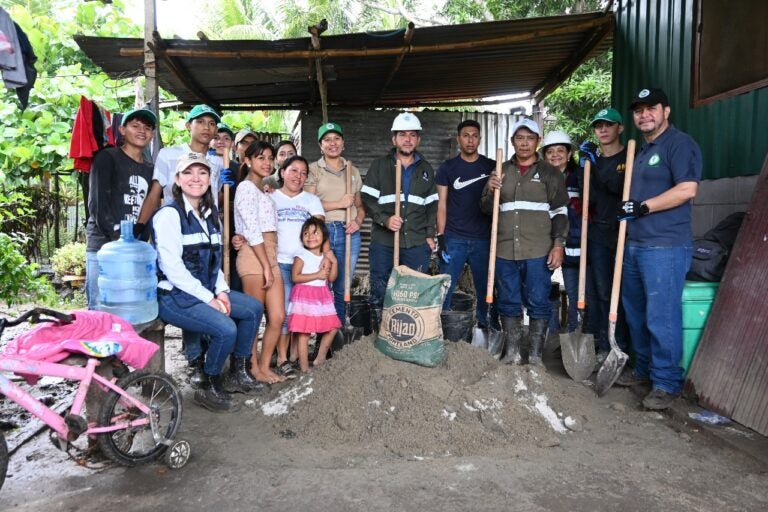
x: 658, y: 253
x: 463, y: 231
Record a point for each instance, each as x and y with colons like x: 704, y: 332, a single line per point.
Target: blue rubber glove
x: 442, y: 249
x: 632, y: 209
x: 227, y: 178
x: 587, y: 150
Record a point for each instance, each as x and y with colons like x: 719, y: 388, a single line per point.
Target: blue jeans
x: 92, y: 280
x: 228, y: 334
x: 602, y: 260
x: 286, y: 271
x: 338, y: 241
x: 475, y: 253
x: 652, y: 290
x: 527, y: 280
x: 571, y: 281
x: 380, y: 257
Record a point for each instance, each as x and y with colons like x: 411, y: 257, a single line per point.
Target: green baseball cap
x: 610, y: 115
x: 202, y: 110
x: 328, y: 127
x: 223, y: 127
x: 143, y: 113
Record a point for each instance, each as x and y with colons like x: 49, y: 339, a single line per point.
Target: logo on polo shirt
x: 536, y: 177
x: 654, y: 160
x: 458, y: 184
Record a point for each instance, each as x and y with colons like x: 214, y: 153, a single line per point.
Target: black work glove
x: 632, y: 209
x: 442, y: 249
x: 587, y: 150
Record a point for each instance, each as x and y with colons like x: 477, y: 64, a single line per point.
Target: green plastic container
x: 697, y: 301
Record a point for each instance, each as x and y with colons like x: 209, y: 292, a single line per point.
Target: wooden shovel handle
x: 494, y: 231
x: 348, y: 241
x: 398, y: 184
x: 612, y: 314
x: 225, y: 222
x: 581, y: 304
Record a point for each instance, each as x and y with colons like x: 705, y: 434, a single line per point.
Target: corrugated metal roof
x: 439, y: 64
x: 729, y: 373
x: 653, y: 47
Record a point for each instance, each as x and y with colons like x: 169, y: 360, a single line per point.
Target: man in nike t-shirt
x: 463, y: 230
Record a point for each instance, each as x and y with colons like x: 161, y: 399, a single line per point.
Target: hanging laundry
x: 29, y: 58
x: 12, y: 64
x: 91, y: 132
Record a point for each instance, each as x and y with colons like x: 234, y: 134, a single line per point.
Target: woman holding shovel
x: 328, y: 180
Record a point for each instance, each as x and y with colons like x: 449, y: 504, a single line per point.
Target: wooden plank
x: 729, y: 372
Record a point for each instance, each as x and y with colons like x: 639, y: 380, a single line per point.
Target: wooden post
x: 150, y: 70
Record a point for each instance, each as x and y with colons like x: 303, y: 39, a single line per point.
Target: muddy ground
x: 365, y: 432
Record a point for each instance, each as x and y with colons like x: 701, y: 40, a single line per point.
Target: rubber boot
x: 197, y: 378
x: 375, y: 318
x: 512, y: 327
x: 240, y: 379
x: 537, y: 332
x: 213, y: 397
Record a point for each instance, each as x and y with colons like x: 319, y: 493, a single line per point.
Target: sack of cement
x: 410, y: 322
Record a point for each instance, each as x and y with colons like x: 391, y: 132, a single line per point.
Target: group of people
x: 291, y: 220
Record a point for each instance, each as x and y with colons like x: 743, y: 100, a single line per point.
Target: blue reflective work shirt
x: 674, y: 157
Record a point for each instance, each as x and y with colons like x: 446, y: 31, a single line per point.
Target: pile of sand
x: 470, y: 405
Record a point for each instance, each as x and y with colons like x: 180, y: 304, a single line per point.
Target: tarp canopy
x: 404, y: 68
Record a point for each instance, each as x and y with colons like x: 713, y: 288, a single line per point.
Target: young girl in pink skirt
x: 311, y: 308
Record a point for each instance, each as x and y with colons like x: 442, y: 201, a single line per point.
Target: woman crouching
x: 192, y: 292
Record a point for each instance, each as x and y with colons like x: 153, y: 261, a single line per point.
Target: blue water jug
x: 128, y: 277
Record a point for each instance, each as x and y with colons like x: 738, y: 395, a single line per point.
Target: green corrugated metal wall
x: 653, y: 45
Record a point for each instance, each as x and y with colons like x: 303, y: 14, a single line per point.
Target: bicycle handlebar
x: 35, y: 315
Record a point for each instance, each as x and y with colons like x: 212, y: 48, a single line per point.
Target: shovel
x: 616, y: 359
x: 578, y: 347
x: 489, y: 337
x: 350, y: 332
x: 398, y: 184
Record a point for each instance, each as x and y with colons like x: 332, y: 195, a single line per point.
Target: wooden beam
x: 376, y: 52
x: 569, y: 66
x: 151, y: 94
x: 396, y: 66
x: 158, y: 47
x: 315, y: 32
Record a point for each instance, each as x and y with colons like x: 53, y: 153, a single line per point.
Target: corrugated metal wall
x: 653, y: 44
x: 367, y: 136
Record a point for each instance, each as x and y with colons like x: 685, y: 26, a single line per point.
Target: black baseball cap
x: 649, y: 96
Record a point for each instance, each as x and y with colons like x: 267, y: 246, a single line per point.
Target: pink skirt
x: 311, y: 310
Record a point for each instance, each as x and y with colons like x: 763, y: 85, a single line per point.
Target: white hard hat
x: 406, y: 122
x: 557, y: 137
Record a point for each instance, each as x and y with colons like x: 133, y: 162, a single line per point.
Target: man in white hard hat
x: 533, y: 226
x: 418, y: 209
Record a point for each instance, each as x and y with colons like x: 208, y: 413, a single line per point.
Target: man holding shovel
x: 658, y: 255
x: 463, y: 231
x: 533, y: 226
x: 416, y: 222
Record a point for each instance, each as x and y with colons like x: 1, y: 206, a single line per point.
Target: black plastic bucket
x: 462, y: 301
x: 457, y: 325
x: 360, y: 313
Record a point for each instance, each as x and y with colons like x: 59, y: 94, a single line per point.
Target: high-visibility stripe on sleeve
x: 524, y: 205
x: 370, y: 191
x: 563, y: 210
x: 571, y: 251
x: 574, y: 193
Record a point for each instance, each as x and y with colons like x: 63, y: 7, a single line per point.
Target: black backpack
x: 710, y: 252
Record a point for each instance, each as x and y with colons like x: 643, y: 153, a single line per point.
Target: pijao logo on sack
x: 405, y: 326
x: 654, y: 160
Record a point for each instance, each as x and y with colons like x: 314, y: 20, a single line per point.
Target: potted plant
x: 68, y: 263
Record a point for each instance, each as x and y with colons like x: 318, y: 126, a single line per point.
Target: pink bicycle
x: 138, y: 420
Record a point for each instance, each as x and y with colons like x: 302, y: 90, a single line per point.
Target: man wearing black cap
x: 658, y: 253
x: 119, y: 182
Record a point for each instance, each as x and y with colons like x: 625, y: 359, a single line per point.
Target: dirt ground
x: 365, y: 432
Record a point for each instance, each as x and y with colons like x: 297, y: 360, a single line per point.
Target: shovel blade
x: 495, y: 342
x: 578, y: 352
x: 610, y: 370
x: 479, y: 338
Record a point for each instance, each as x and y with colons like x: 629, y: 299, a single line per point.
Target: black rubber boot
x: 197, y: 377
x: 537, y: 332
x: 512, y: 327
x: 240, y: 379
x: 214, y: 397
x: 375, y: 318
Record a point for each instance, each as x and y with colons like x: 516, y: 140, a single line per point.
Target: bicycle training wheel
x: 148, y: 442
x: 3, y: 459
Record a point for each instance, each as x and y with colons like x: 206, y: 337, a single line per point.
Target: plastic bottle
x: 128, y: 277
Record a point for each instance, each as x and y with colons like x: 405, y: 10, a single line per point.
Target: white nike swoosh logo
x: 458, y: 184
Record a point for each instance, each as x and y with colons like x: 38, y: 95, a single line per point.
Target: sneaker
x: 629, y: 378
x: 286, y: 369
x: 658, y: 400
